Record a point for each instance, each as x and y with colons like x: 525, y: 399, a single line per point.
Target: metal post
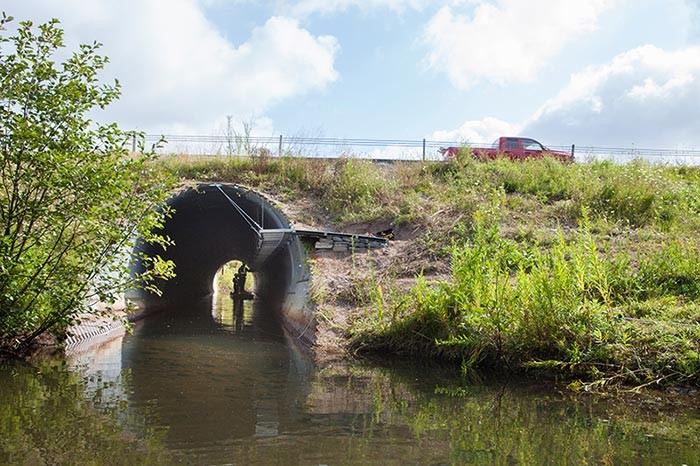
x: 229, y: 136
x: 573, y: 149
x: 423, y: 149
x: 133, y: 142
x: 279, y: 150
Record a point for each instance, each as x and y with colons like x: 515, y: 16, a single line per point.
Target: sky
x: 610, y: 73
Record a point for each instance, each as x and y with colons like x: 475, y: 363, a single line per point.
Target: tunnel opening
x: 209, y: 233
x: 227, y: 279
x: 232, y: 306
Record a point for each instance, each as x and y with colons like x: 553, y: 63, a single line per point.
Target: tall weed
x: 357, y: 189
x: 507, y: 305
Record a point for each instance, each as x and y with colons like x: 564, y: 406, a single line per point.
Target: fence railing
x: 385, y: 149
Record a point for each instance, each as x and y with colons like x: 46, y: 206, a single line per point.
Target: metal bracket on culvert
x: 341, y: 242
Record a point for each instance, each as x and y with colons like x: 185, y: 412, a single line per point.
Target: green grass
x: 571, y: 306
x: 347, y: 189
x: 588, y: 270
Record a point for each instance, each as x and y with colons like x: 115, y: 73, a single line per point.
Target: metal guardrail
x: 384, y: 149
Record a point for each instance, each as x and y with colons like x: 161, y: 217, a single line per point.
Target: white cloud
x: 178, y: 71
x: 477, y: 131
x: 505, y: 40
x: 395, y: 153
x: 304, y: 8
x: 646, y: 97
x: 226, y: 133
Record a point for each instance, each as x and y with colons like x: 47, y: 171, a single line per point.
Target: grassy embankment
x: 590, y: 271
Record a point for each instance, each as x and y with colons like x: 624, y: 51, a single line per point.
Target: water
x: 217, y: 385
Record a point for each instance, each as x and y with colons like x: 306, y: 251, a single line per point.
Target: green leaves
x: 72, y: 199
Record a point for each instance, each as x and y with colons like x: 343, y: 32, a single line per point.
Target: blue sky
x: 590, y: 72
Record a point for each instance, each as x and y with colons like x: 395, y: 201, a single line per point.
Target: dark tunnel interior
x: 208, y: 232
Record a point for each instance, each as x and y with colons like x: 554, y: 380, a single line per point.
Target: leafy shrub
x: 73, y: 197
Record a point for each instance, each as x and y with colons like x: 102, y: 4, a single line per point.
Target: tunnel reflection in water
x: 214, y: 382
x: 235, y: 314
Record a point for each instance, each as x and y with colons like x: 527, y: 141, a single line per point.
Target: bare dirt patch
x: 341, y: 287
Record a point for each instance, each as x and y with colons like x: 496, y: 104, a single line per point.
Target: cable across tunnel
x: 270, y: 240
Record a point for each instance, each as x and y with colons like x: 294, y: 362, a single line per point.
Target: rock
x: 323, y: 244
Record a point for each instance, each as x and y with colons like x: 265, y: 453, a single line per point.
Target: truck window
x: 512, y: 143
x: 531, y: 144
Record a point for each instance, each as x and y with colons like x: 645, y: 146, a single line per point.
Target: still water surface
x: 210, y: 384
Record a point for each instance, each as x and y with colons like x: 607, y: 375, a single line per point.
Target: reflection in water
x: 220, y: 384
x: 211, y: 382
x: 47, y: 419
x: 232, y: 314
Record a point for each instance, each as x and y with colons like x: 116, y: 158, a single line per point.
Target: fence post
x: 573, y: 149
x: 423, y: 149
x: 279, y: 149
x: 133, y: 142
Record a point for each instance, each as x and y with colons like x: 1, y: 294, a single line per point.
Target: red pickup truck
x: 514, y: 148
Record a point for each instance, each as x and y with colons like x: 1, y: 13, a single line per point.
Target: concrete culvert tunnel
x: 209, y: 231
